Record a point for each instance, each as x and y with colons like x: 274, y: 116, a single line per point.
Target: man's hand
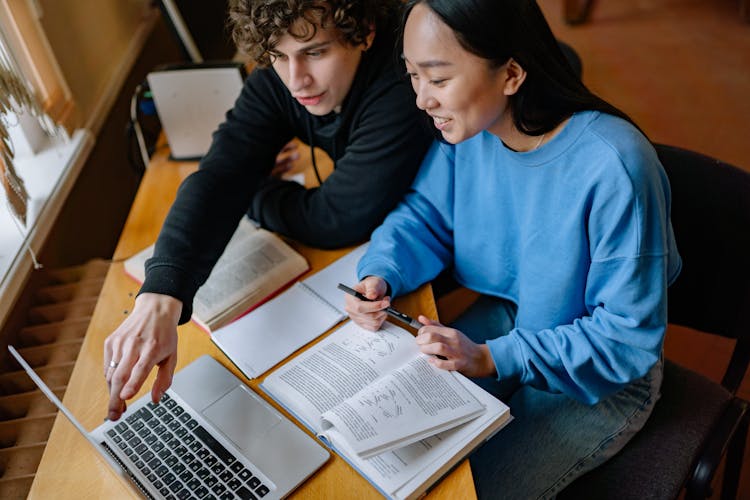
x: 147, y: 338
x: 369, y: 315
x: 459, y: 352
x: 285, y: 159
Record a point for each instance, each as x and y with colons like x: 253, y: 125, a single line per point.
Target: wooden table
x: 71, y: 469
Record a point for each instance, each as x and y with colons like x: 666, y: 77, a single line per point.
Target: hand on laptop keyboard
x: 179, y: 457
x: 147, y: 338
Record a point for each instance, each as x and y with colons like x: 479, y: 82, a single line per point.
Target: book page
x: 408, y: 471
x: 342, y: 270
x: 273, y: 331
x: 254, y: 264
x: 413, y: 402
x: 135, y: 266
x: 337, y: 368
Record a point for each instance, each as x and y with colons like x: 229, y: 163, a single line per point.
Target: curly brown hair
x: 257, y: 25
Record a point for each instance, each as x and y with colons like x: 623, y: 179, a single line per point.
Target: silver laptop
x: 210, y: 436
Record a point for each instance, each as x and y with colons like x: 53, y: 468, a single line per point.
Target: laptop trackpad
x: 243, y: 417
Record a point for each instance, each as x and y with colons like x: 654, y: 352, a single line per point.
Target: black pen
x: 391, y: 311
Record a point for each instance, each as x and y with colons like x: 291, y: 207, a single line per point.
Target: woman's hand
x: 147, y: 338
x: 369, y: 315
x: 459, y: 352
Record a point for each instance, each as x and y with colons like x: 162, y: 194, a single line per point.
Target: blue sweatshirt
x: 575, y: 233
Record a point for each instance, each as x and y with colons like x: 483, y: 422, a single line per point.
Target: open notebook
x: 306, y: 310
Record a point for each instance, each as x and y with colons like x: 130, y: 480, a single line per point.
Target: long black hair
x: 497, y: 30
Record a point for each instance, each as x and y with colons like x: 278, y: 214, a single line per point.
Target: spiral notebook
x: 268, y: 334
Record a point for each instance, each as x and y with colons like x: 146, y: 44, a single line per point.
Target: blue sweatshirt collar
x: 556, y: 146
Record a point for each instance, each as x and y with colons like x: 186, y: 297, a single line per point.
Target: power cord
x: 141, y: 140
x: 137, y: 125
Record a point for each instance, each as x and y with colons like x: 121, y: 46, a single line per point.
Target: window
x: 34, y: 95
x: 38, y: 160
x: 14, y: 97
x: 25, y: 38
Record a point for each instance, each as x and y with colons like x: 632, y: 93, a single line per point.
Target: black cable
x: 315, y: 165
x: 312, y: 150
x: 137, y: 126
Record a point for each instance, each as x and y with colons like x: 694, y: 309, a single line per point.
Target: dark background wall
x: 207, y: 22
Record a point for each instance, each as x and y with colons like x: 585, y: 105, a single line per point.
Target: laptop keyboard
x: 180, y: 458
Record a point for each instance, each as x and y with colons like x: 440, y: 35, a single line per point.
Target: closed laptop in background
x: 192, y: 100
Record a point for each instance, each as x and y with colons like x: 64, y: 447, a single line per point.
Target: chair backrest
x: 711, y: 221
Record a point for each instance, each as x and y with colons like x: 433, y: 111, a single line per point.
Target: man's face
x: 318, y: 72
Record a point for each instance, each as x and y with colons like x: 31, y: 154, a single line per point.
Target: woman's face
x: 458, y: 89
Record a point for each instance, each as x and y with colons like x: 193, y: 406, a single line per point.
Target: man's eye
x: 438, y: 82
x: 413, y: 76
x: 315, y: 53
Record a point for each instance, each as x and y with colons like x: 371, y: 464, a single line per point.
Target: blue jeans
x: 553, y: 439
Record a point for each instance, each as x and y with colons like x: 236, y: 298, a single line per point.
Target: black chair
x: 696, y: 422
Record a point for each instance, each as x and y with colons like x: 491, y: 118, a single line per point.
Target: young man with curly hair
x: 328, y: 73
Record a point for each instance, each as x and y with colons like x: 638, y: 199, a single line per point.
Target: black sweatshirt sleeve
x: 385, y: 148
x: 211, y: 201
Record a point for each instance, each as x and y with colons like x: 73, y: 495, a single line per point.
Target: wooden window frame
x: 34, y: 55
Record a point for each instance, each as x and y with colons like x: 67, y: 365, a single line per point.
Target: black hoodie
x: 377, y: 142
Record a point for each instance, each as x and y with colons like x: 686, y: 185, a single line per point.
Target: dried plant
x: 15, y: 97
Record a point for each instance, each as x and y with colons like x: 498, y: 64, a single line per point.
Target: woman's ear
x: 514, y: 77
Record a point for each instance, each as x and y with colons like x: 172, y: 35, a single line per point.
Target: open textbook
x: 374, y: 398
x: 255, y: 265
x: 280, y: 326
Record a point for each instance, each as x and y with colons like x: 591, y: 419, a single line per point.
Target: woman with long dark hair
x: 551, y: 204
